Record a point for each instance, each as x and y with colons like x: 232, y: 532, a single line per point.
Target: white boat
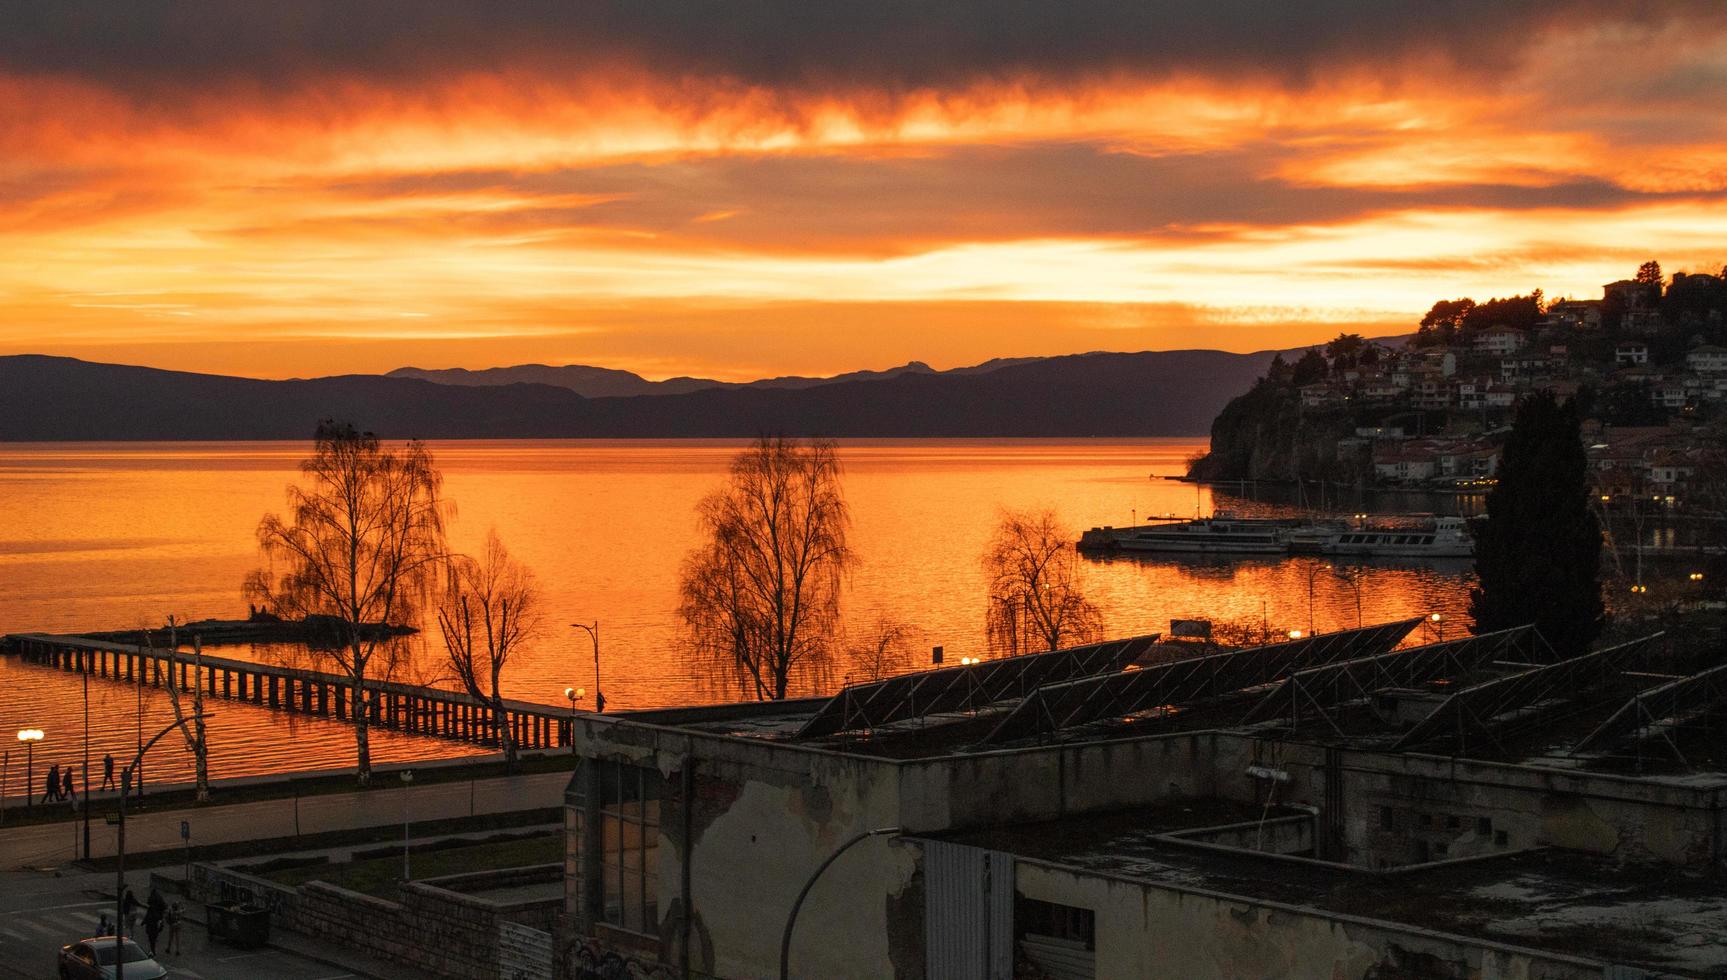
x: 1437, y: 537
x: 1212, y: 535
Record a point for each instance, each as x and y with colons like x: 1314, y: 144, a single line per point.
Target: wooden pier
x: 409, y: 708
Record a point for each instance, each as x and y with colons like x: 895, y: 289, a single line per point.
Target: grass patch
x: 380, y: 876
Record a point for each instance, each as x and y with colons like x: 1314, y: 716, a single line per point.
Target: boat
x: 1207, y: 535
x: 1431, y: 537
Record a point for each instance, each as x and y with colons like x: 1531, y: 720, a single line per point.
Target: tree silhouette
x: 490, y: 607
x: 1538, y: 553
x: 359, y: 548
x: 761, y: 596
x: 1649, y: 274
x: 1035, y: 599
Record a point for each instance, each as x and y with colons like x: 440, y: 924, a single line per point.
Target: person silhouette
x: 67, y: 787
x: 52, y: 791
x: 108, y: 771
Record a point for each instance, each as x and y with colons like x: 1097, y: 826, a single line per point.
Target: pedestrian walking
x: 175, y: 914
x: 108, y: 771
x: 52, y: 792
x: 155, y: 913
x: 129, y: 911
x: 68, y: 789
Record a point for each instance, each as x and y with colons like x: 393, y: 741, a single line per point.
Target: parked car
x: 93, y: 959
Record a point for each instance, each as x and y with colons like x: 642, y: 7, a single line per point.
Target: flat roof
x: 1565, y: 902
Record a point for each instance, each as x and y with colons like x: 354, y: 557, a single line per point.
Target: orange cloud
x: 182, y: 189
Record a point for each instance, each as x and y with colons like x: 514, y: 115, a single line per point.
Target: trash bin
x: 244, y: 926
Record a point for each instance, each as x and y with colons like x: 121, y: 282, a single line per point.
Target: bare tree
x: 875, y: 655
x: 490, y: 606
x: 1035, y: 598
x: 359, y: 548
x: 761, y: 596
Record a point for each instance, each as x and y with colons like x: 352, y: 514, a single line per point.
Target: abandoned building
x: 1358, y: 804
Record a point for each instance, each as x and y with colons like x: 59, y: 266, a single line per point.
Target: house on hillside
x: 1501, y: 340
x: 1630, y: 353
x: 1707, y: 359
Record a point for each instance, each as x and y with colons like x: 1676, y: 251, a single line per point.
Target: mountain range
x: 598, y: 382
x: 1153, y: 393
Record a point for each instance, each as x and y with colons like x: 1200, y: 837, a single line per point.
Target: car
x: 93, y: 959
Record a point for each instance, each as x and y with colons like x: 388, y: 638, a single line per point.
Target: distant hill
x: 1165, y: 393
x: 596, y: 382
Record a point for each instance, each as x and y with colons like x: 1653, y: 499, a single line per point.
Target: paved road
x: 49, y: 845
x: 39, y: 914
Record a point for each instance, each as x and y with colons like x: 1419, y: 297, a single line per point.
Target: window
x: 1425, y: 819
x: 1064, y: 923
x: 615, y: 823
x: 1453, y: 822
x: 1484, y: 826
x: 1500, y: 838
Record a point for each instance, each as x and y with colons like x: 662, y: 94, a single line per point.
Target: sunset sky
x: 756, y: 187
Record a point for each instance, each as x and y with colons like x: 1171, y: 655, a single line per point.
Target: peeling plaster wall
x: 761, y: 819
x: 1144, y: 930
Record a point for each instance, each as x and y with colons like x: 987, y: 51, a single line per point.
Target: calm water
x: 113, y: 536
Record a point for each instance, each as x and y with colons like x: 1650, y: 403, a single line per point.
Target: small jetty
x: 411, y: 708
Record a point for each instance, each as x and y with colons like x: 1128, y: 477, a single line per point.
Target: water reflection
x: 118, y: 536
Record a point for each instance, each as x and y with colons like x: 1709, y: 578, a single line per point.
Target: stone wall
x: 443, y: 932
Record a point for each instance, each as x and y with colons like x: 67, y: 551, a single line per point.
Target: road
x: 49, y: 845
x: 41, y: 913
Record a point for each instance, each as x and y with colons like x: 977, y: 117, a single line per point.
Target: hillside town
x: 1646, y: 362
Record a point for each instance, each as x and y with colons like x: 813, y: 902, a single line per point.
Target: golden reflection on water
x: 118, y: 535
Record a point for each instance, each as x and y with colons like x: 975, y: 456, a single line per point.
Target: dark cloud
x: 899, y: 204
x: 152, y: 48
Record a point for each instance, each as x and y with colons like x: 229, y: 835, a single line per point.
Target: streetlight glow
x: 1295, y: 634
x: 30, y: 735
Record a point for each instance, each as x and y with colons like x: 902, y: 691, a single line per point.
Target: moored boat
x: 1432, y: 537
x: 1209, y: 535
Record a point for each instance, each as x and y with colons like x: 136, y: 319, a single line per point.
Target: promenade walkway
x: 46, y: 845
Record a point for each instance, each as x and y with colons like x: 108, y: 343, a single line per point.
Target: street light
x: 1295, y: 634
x: 1438, y: 623
x: 594, y: 634
x: 29, y: 736
x: 1311, y: 572
x: 120, y: 837
x: 1696, y: 576
x: 791, y: 919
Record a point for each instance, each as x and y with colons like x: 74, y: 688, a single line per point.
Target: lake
x: 108, y: 536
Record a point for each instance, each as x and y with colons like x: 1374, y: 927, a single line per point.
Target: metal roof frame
x: 1494, y: 707
x: 876, y: 703
x: 1319, y: 690
x: 1058, y: 706
x: 1659, y: 708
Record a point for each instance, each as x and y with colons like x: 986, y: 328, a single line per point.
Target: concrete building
x: 1331, y: 807
x: 1631, y: 353
x: 1707, y: 359
x: 1500, y: 340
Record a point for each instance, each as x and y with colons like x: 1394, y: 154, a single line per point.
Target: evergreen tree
x: 1538, y: 553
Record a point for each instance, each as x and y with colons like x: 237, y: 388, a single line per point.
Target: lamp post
x: 1438, y: 623
x: 407, y: 780
x: 120, y: 839
x: 29, y: 736
x: 1311, y: 572
x: 792, y: 918
x: 594, y: 634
